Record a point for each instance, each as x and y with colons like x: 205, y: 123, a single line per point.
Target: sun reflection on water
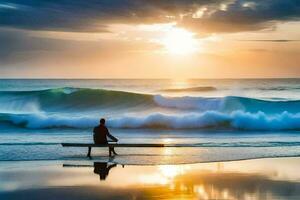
x: 173, y: 170
x: 225, y: 180
x: 164, y: 174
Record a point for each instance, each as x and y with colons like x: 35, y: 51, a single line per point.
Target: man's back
x: 100, y: 137
x: 100, y: 133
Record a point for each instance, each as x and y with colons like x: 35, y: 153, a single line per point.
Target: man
x: 100, y: 136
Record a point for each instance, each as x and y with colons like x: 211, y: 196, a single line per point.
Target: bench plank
x: 111, y: 145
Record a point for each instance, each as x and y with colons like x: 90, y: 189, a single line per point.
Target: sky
x: 149, y: 39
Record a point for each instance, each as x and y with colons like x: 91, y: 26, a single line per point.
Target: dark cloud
x: 95, y: 15
x: 88, y: 16
x: 245, y: 15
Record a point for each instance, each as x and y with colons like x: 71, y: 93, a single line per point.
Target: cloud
x: 202, y: 16
x: 243, y: 15
x: 96, y: 15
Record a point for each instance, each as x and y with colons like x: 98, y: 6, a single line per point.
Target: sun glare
x: 179, y: 41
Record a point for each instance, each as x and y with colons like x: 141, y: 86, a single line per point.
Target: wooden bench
x: 112, y: 145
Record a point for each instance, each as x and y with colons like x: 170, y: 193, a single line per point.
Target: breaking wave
x: 53, y: 108
x: 79, y: 99
x: 237, y: 120
x: 61, y: 99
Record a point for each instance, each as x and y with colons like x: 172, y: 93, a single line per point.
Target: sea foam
x: 207, y: 120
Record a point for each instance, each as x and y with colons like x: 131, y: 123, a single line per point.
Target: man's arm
x: 114, y: 139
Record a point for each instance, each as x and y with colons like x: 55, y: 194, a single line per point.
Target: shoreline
x: 263, y: 178
x: 141, y: 164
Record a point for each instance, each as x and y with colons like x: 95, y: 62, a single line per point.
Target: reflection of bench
x: 112, y: 145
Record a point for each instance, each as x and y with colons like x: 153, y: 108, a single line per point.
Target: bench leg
x: 111, y: 150
x: 89, y: 152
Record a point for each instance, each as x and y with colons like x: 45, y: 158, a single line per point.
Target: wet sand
x: 270, y: 178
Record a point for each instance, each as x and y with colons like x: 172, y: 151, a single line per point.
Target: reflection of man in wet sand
x: 102, y: 168
x: 100, y: 136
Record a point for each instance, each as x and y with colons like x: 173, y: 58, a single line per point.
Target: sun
x: 179, y: 41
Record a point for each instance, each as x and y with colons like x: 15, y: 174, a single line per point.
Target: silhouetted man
x: 100, y: 136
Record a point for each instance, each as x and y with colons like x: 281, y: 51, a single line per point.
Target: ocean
x: 221, y: 119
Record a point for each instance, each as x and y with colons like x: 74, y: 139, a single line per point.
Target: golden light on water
x: 171, y: 171
x: 164, y: 174
x: 235, y: 180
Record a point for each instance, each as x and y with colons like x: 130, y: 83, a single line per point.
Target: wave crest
x: 227, y: 104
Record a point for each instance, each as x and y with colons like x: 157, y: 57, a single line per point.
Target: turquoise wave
x: 80, y: 99
x: 67, y: 99
x: 213, y: 120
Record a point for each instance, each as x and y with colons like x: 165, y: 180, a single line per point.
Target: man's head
x: 102, y: 121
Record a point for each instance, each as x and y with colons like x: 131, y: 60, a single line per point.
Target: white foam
x: 40, y: 120
x: 213, y: 119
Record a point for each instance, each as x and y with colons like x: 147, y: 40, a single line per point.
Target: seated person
x: 100, y: 136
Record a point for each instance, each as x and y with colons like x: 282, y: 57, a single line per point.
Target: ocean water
x: 219, y: 119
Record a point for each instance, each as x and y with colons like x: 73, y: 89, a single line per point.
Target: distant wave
x: 227, y: 104
x: 237, y: 120
x: 190, y: 89
x: 211, y: 88
x: 279, y: 88
x: 82, y: 99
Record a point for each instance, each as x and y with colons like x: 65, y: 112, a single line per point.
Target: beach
x: 275, y: 178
